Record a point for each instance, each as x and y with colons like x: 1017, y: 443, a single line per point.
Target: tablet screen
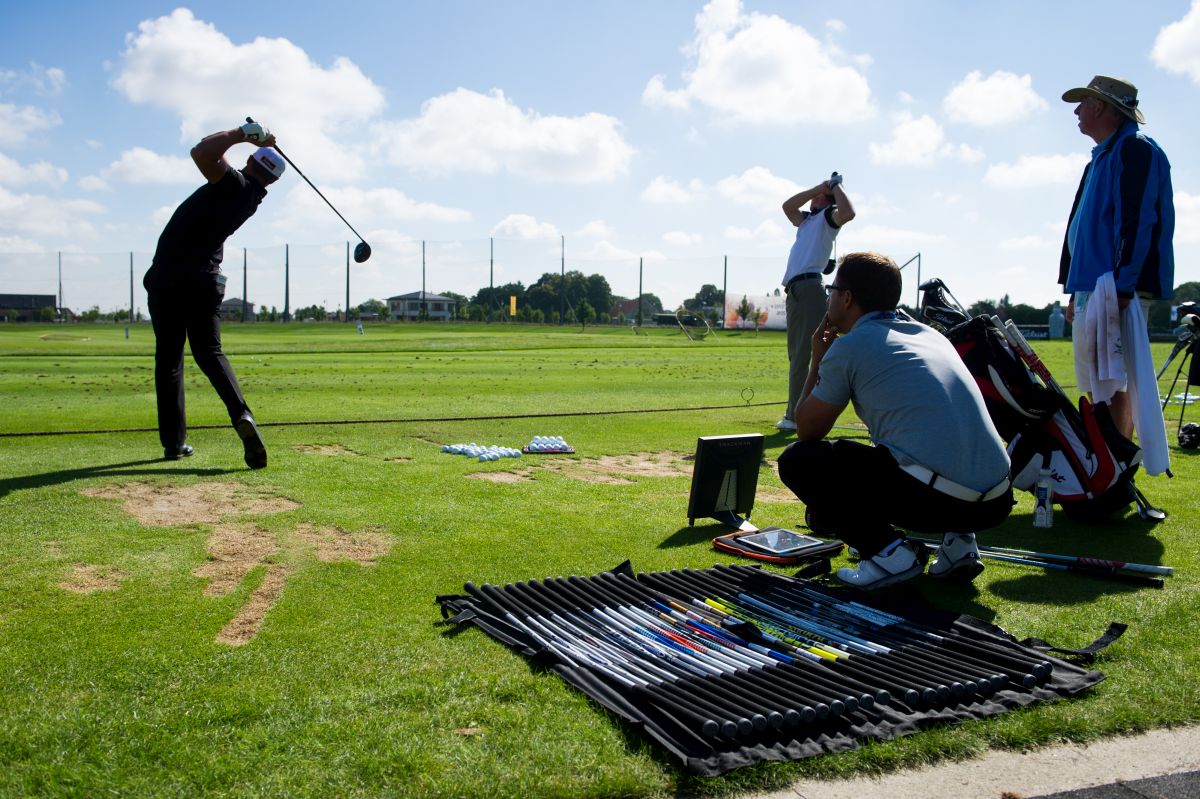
x: 776, y: 540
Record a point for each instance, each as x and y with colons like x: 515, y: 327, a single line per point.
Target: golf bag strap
x: 950, y: 488
x: 1088, y: 653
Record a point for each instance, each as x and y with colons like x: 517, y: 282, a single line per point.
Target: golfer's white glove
x: 255, y: 132
x: 834, y: 180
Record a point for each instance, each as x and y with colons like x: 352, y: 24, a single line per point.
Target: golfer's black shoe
x: 182, y: 451
x: 256, y: 450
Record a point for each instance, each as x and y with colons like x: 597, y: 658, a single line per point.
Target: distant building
x: 231, y: 310
x: 626, y: 307
x: 408, y: 306
x: 26, y: 307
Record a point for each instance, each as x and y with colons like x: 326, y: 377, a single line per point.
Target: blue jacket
x: 1126, y: 219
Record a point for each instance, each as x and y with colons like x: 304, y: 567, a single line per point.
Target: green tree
x: 709, y: 296
x: 585, y: 313
x: 47, y: 314
x: 91, y: 314
x: 372, y: 306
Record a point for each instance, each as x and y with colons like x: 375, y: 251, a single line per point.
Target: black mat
x: 718, y: 665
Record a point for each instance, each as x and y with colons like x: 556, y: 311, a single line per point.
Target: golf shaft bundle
x: 726, y: 662
x: 1119, y: 571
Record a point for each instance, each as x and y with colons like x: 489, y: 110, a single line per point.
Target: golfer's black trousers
x: 187, y: 308
x: 857, y: 492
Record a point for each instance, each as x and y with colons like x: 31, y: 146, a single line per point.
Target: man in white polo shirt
x: 816, y: 229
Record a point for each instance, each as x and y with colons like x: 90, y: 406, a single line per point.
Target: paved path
x: 1162, y: 763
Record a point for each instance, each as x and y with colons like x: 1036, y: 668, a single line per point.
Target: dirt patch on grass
x: 519, y: 476
x: 609, y: 469
x: 772, y: 494
x: 248, y: 621
x: 158, y: 505
x: 233, y: 550
x: 91, y: 578
x: 333, y: 544
x: 325, y: 449
x: 398, y: 459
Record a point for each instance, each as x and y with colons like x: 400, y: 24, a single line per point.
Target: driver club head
x: 362, y: 251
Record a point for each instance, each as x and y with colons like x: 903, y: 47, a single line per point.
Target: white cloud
x: 305, y: 208
x: 465, y: 131
x: 745, y: 68
x: 757, y: 187
x: 767, y: 232
x: 41, y: 173
x: 607, y: 251
x: 1024, y: 243
x: 657, y: 95
x: 17, y: 123
x: 93, y: 183
x: 17, y: 245
x: 161, y: 214
x: 139, y: 165
x: 38, y: 215
x: 919, y: 141
x: 189, y: 67
x: 47, y: 82
x: 835, y: 26
x: 1177, y: 47
x: 667, y: 191
x: 681, y: 239
x: 596, y: 229
x: 1187, y: 217
x: 524, y: 226
x: 893, y: 240
x: 999, y: 99
x: 1037, y: 170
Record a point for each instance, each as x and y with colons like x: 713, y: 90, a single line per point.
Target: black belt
x: 803, y: 276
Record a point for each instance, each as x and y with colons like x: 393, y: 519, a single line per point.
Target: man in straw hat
x: 185, y: 286
x: 1118, y: 237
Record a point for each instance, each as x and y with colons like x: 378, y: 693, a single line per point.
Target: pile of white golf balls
x: 483, y: 453
x: 547, y: 444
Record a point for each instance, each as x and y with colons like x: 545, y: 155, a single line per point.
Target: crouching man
x: 937, y: 464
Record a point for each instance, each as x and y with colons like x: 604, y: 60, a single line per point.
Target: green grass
x: 351, y: 688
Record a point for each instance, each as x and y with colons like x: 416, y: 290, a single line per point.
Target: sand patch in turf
x: 88, y: 579
x: 160, y: 505
x: 331, y: 450
x: 333, y: 544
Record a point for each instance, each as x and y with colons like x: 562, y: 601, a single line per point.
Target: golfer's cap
x: 269, y: 159
x: 1113, y: 91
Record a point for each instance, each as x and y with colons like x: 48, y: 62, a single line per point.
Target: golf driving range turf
x: 194, y: 627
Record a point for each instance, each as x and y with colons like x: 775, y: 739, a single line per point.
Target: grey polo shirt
x: 912, y: 390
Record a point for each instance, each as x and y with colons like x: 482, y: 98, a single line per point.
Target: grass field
x: 192, y: 627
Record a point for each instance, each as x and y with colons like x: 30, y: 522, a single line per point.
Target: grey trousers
x: 805, y: 308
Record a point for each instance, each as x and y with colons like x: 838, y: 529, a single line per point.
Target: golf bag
x: 1091, y: 464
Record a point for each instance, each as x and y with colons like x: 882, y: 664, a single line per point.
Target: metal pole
x: 918, y: 305
x: 245, y: 302
x: 724, y: 290
x: 347, y: 281
x: 562, y: 281
x: 130, y: 293
x: 60, y: 294
x: 639, y: 316
x: 491, y: 276
x: 287, y: 315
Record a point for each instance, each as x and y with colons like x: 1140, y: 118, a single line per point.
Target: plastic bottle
x: 1043, y: 495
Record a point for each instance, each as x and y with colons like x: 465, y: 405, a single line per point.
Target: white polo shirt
x: 813, y: 245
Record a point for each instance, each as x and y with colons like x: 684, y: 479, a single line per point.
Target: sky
x: 651, y: 142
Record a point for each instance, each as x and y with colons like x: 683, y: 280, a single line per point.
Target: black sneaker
x: 256, y: 450
x: 182, y: 451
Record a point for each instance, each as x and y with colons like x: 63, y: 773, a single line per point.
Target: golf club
x: 362, y: 250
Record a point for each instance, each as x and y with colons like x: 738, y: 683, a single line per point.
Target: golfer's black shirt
x: 194, y: 238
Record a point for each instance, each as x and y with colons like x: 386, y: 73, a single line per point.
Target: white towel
x: 1100, y: 367
x: 1147, y: 413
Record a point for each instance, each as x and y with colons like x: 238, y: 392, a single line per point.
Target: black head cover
x: 362, y: 251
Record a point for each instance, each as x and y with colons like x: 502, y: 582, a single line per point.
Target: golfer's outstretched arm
x: 844, y: 209
x: 209, y: 153
x: 793, y: 204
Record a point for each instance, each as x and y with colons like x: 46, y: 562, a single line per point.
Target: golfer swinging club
x: 185, y: 286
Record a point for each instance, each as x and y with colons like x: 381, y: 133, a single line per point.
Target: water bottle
x: 1043, y: 496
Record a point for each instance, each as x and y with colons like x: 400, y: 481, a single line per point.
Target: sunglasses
x: 832, y: 288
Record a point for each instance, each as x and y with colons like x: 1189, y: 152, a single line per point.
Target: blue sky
x: 668, y: 132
